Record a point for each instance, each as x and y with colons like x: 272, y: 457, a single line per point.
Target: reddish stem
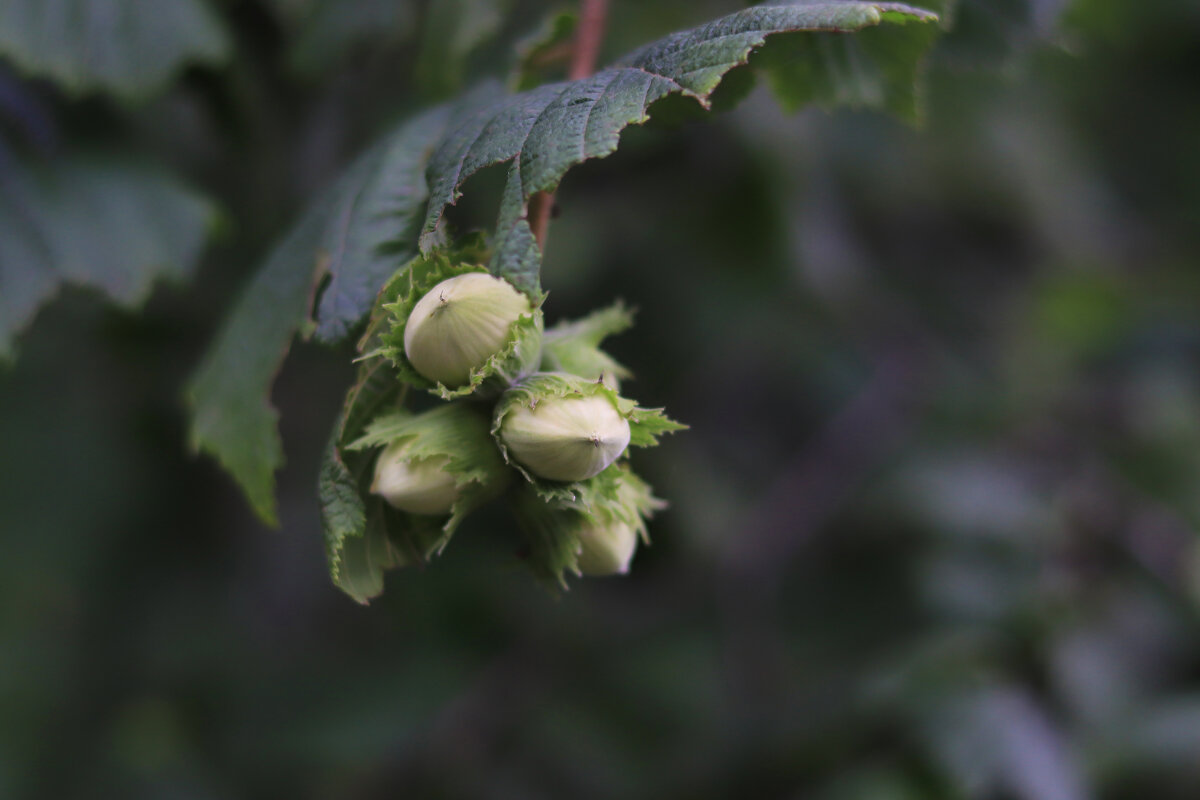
x: 592, y: 16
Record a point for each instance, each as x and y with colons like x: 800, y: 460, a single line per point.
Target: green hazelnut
x: 460, y: 324
x: 418, y: 486
x: 606, y: 549
x: 565, y: 438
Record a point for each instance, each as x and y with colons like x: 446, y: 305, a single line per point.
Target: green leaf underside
x: 129, y: 47
x: 326, y: 31
x: 645, y: 424
x: 551, y: 526
x: 547, y: 47
x: 547, y: 130
x: 373, y: 229
x: 574, y: 346
x: 106, y: 225
x: 232, y: 417
x: 875, y: 68
x: 401, y: 295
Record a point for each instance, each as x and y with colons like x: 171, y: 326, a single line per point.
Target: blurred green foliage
x: 933, y: 531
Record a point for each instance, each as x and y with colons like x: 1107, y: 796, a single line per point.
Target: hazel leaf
x: 546, y: 48
x: 373, y: 226
x: 356, y: 222
x: 110, y: 225
x: 131, y: 48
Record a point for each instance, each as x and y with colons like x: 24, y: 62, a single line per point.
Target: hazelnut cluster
x: 529, y: 413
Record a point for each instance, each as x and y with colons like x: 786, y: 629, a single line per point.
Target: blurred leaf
x: 875, y: 783
x: 1164, y: 734
x: 877, y: 68
x: 112, y: 226
x: 129, y: 47
x: 453, y: 30
x: 1082, y: 312
x: 548, y: 130
x: 991, y: 33
x: 544, y: 49
x: 976, y: 495
x: 361, y: 225
x: 998, y: 740
x: 327, y: 29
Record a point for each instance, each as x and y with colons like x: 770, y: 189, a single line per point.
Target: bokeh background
x: 933, y: 533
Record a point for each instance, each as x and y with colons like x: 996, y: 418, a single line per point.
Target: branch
x: 592, y: 17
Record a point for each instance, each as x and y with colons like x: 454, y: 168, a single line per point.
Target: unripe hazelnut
x: 461, y: 323
x: 606, y: 549
x: 566, y: 438
x: 416, y: 486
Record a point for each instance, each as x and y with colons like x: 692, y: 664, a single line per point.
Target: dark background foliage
x: 933, y: 531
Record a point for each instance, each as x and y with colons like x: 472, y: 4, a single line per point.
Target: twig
x: 592, y: 17
x: 540, y: 206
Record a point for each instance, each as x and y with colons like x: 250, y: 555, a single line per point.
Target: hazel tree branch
x: 592, y: 17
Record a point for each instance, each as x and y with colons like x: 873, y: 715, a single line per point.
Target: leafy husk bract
x: 552, y: 526
x: 457, y: 432
x: 574, y: 345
